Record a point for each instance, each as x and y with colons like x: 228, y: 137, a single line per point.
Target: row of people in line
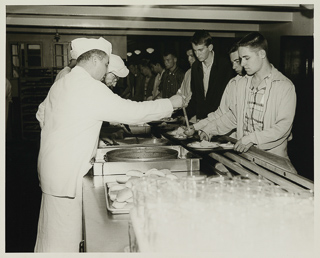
x: 153, y: 78
x: 260, y: 105
x: 257, y: 105
x: 202, y: 85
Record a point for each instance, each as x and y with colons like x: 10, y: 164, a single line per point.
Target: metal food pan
x: 186, y: 161
x: 182, y: 152
x: 140, y: 154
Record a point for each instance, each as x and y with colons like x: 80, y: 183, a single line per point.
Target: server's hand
x: 176, y: 101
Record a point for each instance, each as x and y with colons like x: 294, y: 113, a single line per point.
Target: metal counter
x: 102, y: 231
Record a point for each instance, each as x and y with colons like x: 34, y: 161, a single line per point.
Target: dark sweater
x: 221, y: 73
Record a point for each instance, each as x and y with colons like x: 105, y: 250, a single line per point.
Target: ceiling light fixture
x: 150, y: 50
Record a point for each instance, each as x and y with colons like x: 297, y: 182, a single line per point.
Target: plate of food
x: 178, y: 133
x: 204, y: 145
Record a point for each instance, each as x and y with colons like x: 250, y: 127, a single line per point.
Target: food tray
x: 109, y: 203
x: 112, y: 178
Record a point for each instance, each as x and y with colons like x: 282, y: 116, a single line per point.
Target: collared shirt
x: 206, y: 76
x: 253, y: 120
x: 171, y: 82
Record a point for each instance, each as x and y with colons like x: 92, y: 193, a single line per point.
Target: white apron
x: 60, y: 223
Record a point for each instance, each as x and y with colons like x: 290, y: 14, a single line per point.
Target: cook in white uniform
x: 116, y: 69
x: 71, y: 117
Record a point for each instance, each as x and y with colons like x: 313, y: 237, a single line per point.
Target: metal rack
x: 257, y: 162
x: 33, y: 87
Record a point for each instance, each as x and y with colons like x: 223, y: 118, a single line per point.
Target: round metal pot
x: 141, y: 154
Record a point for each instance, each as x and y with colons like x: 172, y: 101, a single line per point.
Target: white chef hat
x: 82, y: 45
x: 117, y: 66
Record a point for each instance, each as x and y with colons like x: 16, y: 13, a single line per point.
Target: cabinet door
x: 297, y: 62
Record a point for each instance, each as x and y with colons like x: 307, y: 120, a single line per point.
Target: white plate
x: 197, y: 146
x: 227, y: 145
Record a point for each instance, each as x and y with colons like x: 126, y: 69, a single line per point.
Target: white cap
x: 82, y: 45
x: 73, y: 54
x: 117, y: 66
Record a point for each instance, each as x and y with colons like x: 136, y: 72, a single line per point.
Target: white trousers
x: 60, y: 223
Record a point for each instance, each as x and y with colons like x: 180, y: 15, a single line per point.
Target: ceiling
x: 182, y: 20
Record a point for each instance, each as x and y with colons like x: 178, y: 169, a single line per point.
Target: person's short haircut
x: 233, y: 48
x: 254, y: 40
x: 202, y: 37
x: 170, y: 52
x: 94, y: 52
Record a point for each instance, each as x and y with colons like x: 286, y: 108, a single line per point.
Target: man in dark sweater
x: 209, y: 76
x: 172, y: 77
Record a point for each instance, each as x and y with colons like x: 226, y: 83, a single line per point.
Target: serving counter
x: 107, y: 232
x: 103, y: 232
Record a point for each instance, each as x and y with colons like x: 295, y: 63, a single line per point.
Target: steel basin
x: 141, y: 154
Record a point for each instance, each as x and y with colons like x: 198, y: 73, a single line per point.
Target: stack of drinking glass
x: 214, y: 214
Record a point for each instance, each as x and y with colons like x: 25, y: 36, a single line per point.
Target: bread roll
x: 165, y: 171
x: 136, y: 173
x: 124, y: 195
x: 171, y: 176
x: 117, y: 187
x: 122, y: 179
x: 130, y: 183
x: 157, y: 173
x: 113, y: 195
x: 154, y: 171
x: 118, y: 205
x: 150, y: 170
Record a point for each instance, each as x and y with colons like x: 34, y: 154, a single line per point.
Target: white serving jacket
x: 71, y: 117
